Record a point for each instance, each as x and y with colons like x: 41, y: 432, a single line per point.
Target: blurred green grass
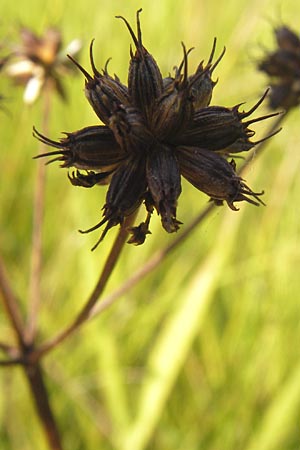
x: 204, y: 354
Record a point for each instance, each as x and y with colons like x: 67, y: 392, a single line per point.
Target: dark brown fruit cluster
x: 155, y: 131
x: 283, y: 68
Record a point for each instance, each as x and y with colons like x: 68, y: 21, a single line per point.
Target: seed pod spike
x: 131, y: 52
x: 259, y: 119
x: 42, y: 155
x: 212, y: 53
x: 217, y: 61
x: 103, y: 234
x: 98, y: 225
x: 267, y: 137
x: 105, y: 71
x: 138, y: 24
x: 100, y: 239
x: 254, y: 108
x: 94, y: 69
x: 137, y: 40
x: 95, y: 227
x: 179, y: 69
x: 185, y: 61
x: 45, y: 140
x: 197, y: 76
x: 85, y: 73
x: 60, y: 158
x: 246, y: 191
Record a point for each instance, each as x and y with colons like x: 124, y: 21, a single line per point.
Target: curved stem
x: 151, y: 264
x: 84, y: 314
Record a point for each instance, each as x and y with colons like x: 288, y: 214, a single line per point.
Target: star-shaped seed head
x: 155, y: 131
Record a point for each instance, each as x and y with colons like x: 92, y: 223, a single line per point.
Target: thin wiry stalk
x: 92, y: 309
x: 38, y: 212
x: 84, y: 314
x: 151, y: 264
x: 11, y: 305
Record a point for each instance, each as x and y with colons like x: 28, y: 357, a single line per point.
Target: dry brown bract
x: 155, y: 131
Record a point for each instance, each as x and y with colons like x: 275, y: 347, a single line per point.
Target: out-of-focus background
x: 204, y: 353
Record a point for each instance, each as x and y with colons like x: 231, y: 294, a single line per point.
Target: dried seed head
x: 156, y: 131
x: 283, y: 67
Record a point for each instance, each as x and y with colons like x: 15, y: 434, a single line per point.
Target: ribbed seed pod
x: 174, y: 109
x: 214, y: 175
x: 163, y: 177
x: 221, y: 129
x: 125, y: 194
x: 102, y: 91
x: 89, y: 148
x: 145, y: 82
x: 202, y: 89
x: 130, y: 130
